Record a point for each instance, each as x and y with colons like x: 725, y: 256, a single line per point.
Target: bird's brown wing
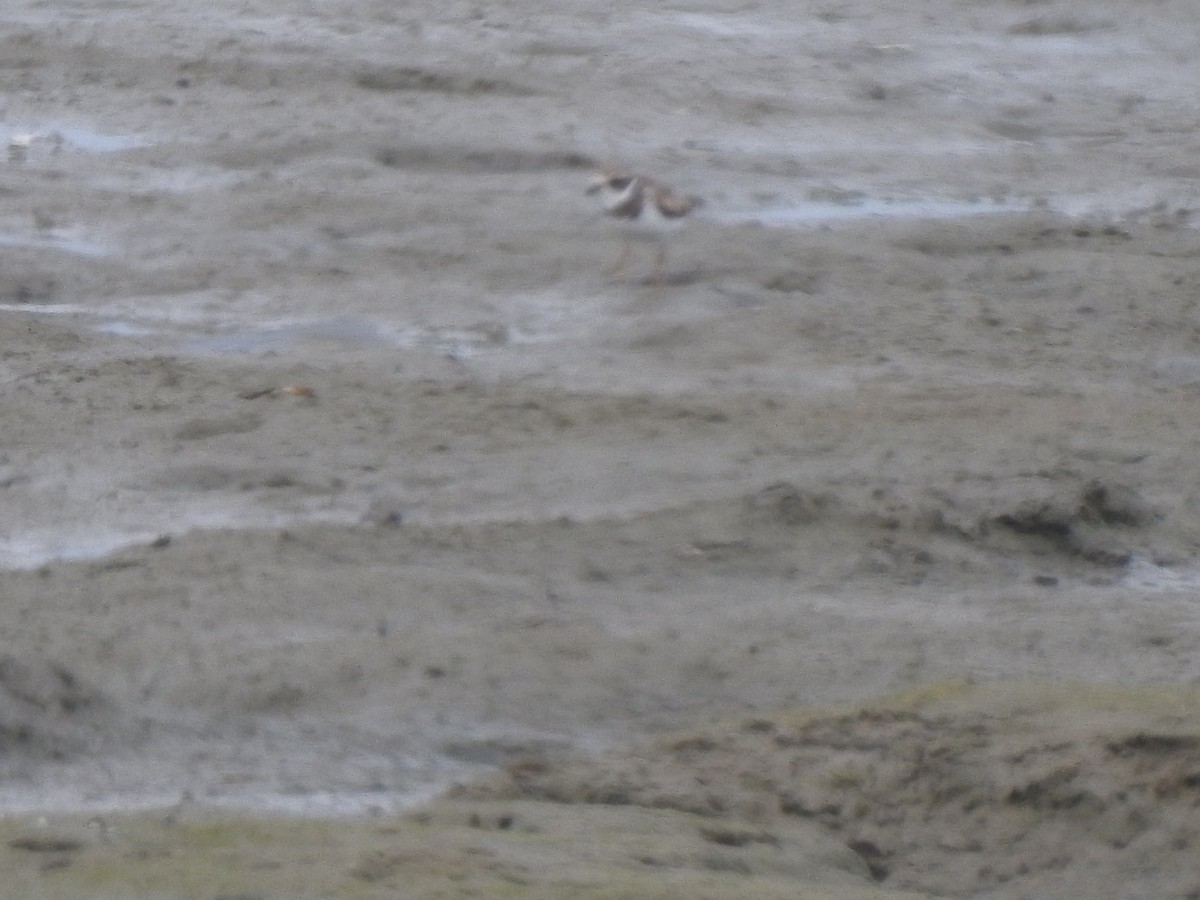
x: 672, y: 205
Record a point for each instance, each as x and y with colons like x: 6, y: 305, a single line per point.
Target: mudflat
x: 363, y: 534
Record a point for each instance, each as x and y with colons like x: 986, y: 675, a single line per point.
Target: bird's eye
x: 621, y: 182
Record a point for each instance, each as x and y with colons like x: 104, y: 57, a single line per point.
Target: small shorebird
x: 646, y: 210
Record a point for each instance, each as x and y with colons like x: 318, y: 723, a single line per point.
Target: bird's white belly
x: 651, y: 225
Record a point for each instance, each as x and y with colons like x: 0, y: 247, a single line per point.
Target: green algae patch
x: 451, y: 850
x: 152, y: 855
x: 1099, y: 704
x: 953, y: 789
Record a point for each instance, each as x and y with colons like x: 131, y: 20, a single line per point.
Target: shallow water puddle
x: 61, y: 239
x: 199, y: 334
x: 29, y: 551
x: 26, y: 142
x: 726, y: 25
x: 1152, y: 578
x: 819, y: 212
x: 345, y: 330
x: 119, y: 328
x: 1127, y: 209
x: 40, y: 546
x: 265, y: 337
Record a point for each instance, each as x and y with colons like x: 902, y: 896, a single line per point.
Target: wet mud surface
x: 338, y: 472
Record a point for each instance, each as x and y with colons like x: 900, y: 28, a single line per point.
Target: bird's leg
x: 660, y: 261
x: 622, y: 260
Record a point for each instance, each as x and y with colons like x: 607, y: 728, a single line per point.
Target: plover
x: 647, y: 211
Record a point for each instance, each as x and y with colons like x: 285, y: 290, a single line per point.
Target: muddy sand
x: 363, y: 535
